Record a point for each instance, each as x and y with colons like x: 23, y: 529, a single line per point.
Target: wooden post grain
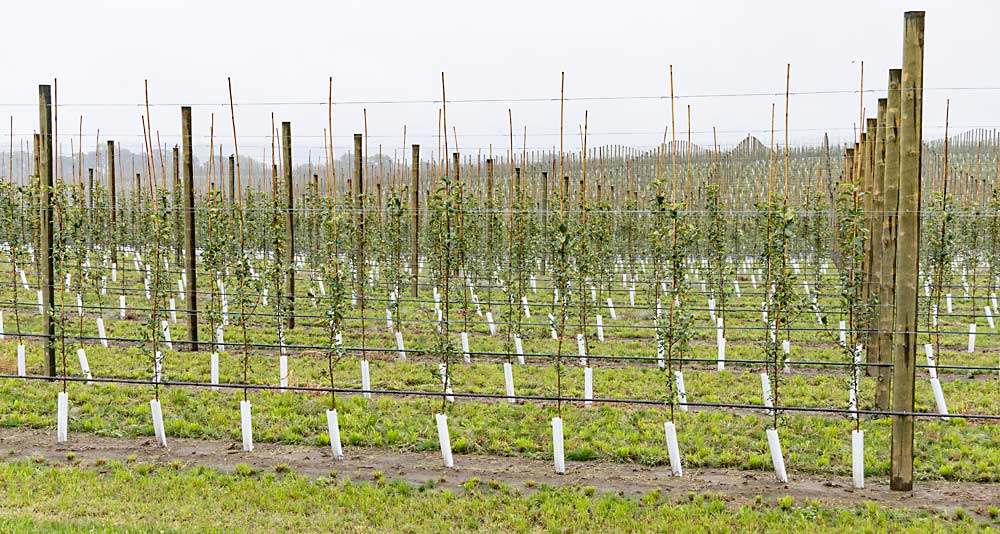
x: 887, y: 313
x: 415, y: 222
x: 907, y: 251
x: 286, y: 162
x: 44, y: 152
x: 113, y: 194
x: 190, y: 264
x: 876, y: 218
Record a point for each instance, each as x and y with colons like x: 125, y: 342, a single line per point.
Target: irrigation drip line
x: 203, y: 294
x: 607, y: 286
x: 474, y: 354
x: 495, y: 396
x: 503, y: 323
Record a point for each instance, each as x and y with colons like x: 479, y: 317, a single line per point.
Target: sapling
x: 57, y: 205
x: 249, y: 289
x: 277, y: 270
x: 716, y: 242
x: 216, y: 254
x: 992, y: 252
x: 939, y: 257
x: 162, y: 226
x: 971, y: 259
x: 516, y: 267
x: 74, y: 221
x: 214, y: 261
x: 99, y: 271
x: 565, y: 242
x: 510, y: 269
x: 583, y: 254
x: 816, y: 237
x: 335, y: 305
x: 781, y: 301
x: 443, y: 206
x: 524, y: 240
x: 396, y: 280
x: 603, y: 244
x: 672, y: 237
x: 852, y: 234
x: 15, y: 246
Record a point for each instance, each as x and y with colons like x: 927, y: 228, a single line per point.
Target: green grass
x: 139, y: 498
x: 956, y: 449
x: 821, y: 445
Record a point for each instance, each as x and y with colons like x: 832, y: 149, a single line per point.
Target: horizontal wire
x: 494, y: 396
x: 554, y: 98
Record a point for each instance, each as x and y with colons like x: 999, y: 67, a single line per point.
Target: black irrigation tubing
x: 529, y: 355
x: 306, y: 297
x: 641, y: 289
x: 608, y: 285
x: 805, y: 266
x: 496, y: 396
x: 641, y: 286
x: 115, y: 290
x: 500, y: 323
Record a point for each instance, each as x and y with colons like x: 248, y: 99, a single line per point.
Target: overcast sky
x: 281, y: 53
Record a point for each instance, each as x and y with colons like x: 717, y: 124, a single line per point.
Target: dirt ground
x: 360, y: 464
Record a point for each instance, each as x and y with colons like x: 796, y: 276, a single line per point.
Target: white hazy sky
x: 280, y: 54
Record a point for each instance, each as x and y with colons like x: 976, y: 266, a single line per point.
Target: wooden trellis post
x: 112, y: 193
x: 907, y: 250
x: 44, y: 152
x: 870, y: 290
x: 876, y: 218
x: 191, y: 267
x: 415, y: 213
x: 286, y: 161
x: 887, y: 312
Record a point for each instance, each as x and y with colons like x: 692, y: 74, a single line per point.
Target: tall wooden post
x: 190, y: 265
x: 876, y: 217
x: 907, y: 250
x: 286, y: 163
x: 112, y: 193
x: 45, y: 180
x: 887, y: 312
x: 37, y: 239
x: 869, y: 291
x: 415, y: 214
